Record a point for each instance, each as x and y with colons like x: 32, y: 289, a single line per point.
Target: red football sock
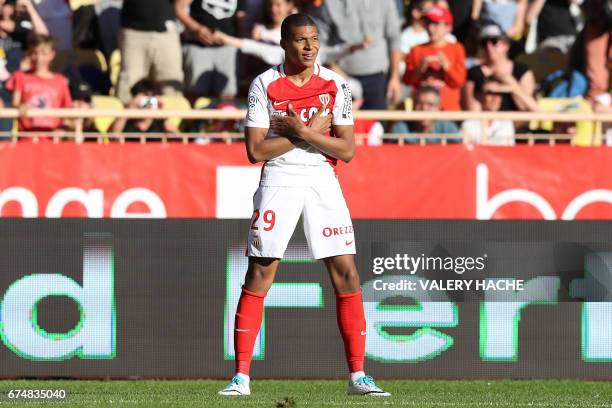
x: 246, y: 327
x: 352, y: 324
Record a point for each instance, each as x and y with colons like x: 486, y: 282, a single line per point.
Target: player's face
x: 303, y: 46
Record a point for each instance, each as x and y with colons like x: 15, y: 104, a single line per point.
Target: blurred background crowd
x: 421, y: 55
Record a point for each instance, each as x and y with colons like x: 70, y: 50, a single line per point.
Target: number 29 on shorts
x: 268, y: 219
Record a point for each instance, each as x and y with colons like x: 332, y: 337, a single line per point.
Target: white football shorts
x: 277, y: 210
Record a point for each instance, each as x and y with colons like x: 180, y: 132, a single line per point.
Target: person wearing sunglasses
x: 517, y: 78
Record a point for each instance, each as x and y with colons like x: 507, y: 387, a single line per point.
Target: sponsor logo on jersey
x: 333, y: 231
x: 307, y: 113
x: 279, y: 103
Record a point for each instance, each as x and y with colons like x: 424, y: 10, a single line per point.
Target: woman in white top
x: 268, y: 31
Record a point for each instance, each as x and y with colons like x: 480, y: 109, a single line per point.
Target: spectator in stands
x: 597, y: 48
x: 556, y: 27
x: 150, y: 46
x: 216, y: 130
x: 108, y: 13
x: 269, y: 30
x: 603, y: 104
x: 462, y: 22
x: 495, y: 132
x: 271, y: 54
x: 255, y: 12
x: 376, y: 67
x: 427, y: 99
x: 210, y: 69
x: 274, y: 54
x: 508, y: 14
x: 416, y: 32
x: 145, y: 95
x: 39, y: 87
x: 17, y: 20
x: 438, y: 63
x: 85, y: 29
x: 224, y: 126
x: 81, y: 94
x: 518, y: 80
x: 57, y: 16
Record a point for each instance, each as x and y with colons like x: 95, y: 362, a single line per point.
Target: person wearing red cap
x: 438, y: 63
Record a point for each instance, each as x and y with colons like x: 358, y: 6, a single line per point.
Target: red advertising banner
x: 176, y: 180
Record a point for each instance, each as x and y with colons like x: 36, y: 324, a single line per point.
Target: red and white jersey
x: 270, y: 94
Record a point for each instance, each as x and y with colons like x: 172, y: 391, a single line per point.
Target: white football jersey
x: 271, y: 93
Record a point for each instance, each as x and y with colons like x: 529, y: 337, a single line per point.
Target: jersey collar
x: 281, y: 69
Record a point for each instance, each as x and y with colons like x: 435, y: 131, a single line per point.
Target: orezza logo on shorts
x: 333, y: 231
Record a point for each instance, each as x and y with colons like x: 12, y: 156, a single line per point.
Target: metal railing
x: 79, y: 115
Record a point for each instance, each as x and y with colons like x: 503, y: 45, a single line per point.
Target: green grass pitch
x: 319, y: 393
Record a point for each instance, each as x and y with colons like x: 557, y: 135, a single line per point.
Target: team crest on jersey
x: 325, y: 98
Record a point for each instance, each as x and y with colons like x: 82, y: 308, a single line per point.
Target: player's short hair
x: 295, y: 20
x: 34, y: 40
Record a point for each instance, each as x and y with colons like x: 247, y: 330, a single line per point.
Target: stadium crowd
x: 425, y: 55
